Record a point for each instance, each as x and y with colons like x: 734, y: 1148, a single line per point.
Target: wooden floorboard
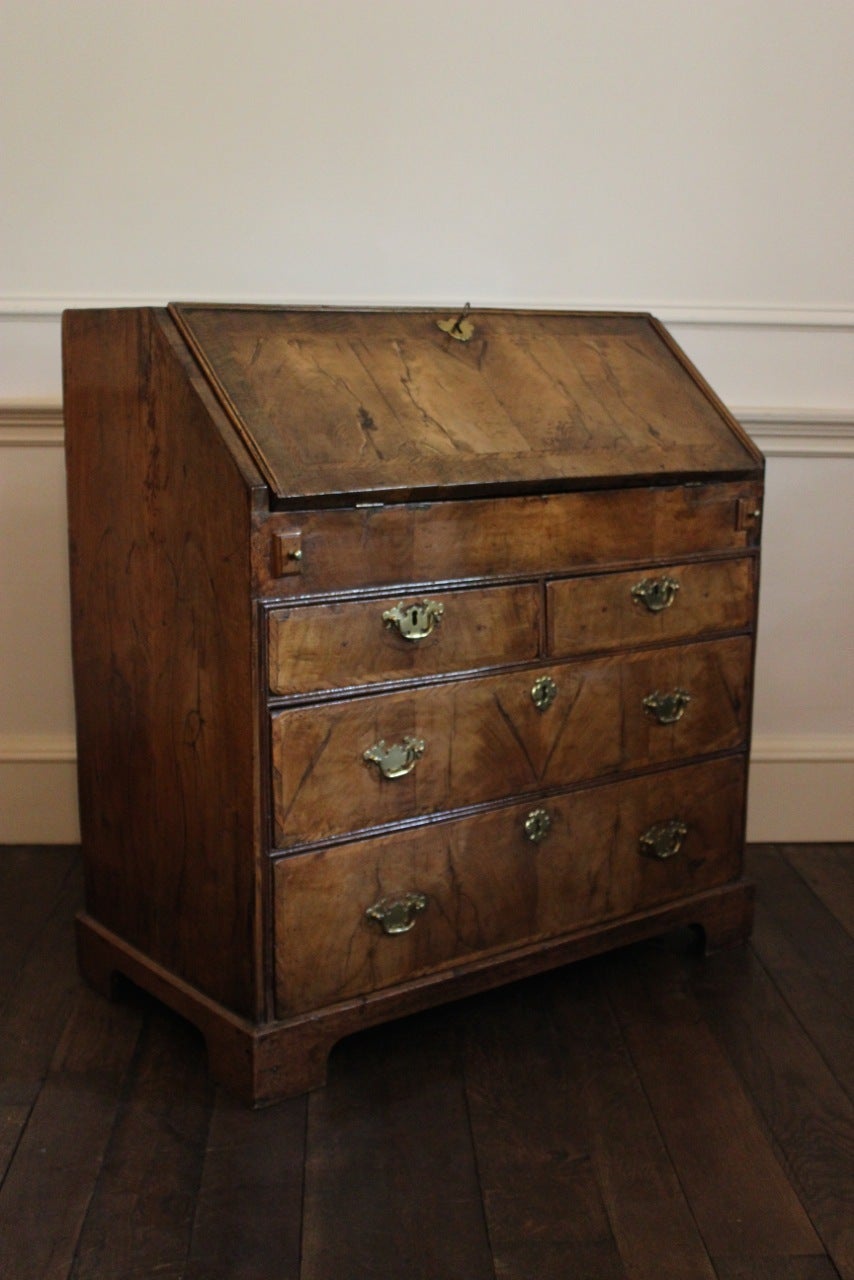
x: 41, y: 993
x: 649, y: 1114
x: 654, y: 1226
x: 391, y: 1184
x: 741, y: 1199
x: 541, y: 1196
x: 248, y: 1216
x: 827, y: 870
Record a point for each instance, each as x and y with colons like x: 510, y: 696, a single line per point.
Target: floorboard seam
x: 658, y: 1129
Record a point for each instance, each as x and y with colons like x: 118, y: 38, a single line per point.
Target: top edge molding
x: 690, y: 315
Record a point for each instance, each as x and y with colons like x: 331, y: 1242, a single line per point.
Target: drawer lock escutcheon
x: 656, y: 593
x: 397, y: 914
x: 458, y: 327
x: 414, y: 621
x: 398, y: 759
x: 543, y: 693
x: 537, y: 825
x: 667, y: 708
x: 663, y: 839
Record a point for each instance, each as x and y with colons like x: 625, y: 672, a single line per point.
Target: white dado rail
x: 787, y: 376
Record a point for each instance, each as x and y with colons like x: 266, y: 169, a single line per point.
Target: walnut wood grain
x: 383, y: 402
x: 599, y: 612
x: 485, y: 739
x: 432, y: 543
x: 163, y: 648
x: 347, y: 643
x: 489, y: 887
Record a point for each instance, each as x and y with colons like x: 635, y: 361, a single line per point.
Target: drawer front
x: 473, y: 741
x: 460, y: 889
x: 509, y: 537
x: 675, y: 602
x: 333, y: 646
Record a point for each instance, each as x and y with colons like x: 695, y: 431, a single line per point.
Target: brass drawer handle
x: 667, y: 708
x: 656, y: 593
x: 414, y: 621
x: 398, y: 914
x: 537, y: 825
x: 398, y: 759
x: 663, y: 839
x: 543, y: 693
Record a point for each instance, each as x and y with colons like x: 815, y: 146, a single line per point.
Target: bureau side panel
x: 159, y: 515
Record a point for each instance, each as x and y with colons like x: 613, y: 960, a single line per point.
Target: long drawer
x: 515, y: 537
x: 346, y: 766
x: 363, y: 916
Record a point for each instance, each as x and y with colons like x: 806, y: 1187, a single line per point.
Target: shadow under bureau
x: 412, y: 652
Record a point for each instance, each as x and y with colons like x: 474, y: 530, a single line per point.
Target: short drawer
x: 333, y: 646
x: 346, y: 766
x: 363, y: 916
x: 617, y: 610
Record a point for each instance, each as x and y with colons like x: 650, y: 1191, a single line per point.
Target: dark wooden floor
x: 647, y: 1114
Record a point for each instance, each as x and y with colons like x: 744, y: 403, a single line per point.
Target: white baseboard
x: 801, y: 790
x: 38, y: 802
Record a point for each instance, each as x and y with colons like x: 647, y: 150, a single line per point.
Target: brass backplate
x: 414, y: 621
x: 663, y: 839
x: 398, y: 759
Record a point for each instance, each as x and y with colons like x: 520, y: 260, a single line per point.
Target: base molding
x: 38, y: 799
x: 277, y: 1060
x: 807, y: 799
x: 801, y: 789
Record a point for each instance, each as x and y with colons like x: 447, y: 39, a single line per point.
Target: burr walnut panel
x: 329, y: 646
x: 485, y: 739
x: 488, y: 886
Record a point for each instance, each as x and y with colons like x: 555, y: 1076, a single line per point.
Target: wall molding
x: 31, y: 424
x: 814, y: 748
x: 779, y: 432
x: 801, y: 789
x: 38, y: 748
x: 726, y: 315
x: 799, y: 433
x: 785, y: 748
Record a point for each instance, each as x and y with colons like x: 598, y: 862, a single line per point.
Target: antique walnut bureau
x: 413, y: 653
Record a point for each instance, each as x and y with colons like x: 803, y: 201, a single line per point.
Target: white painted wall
x: 688, y: 158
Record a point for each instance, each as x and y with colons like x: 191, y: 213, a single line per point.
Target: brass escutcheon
x: 397, y: 760
x: 656, y: 593
x: 414, y: 621
x: 667, y: 708
x: 397, y: 914
x: 543, y: 693
x: 458, y: 328
x: 537, y: 825
x: 663, y: 839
